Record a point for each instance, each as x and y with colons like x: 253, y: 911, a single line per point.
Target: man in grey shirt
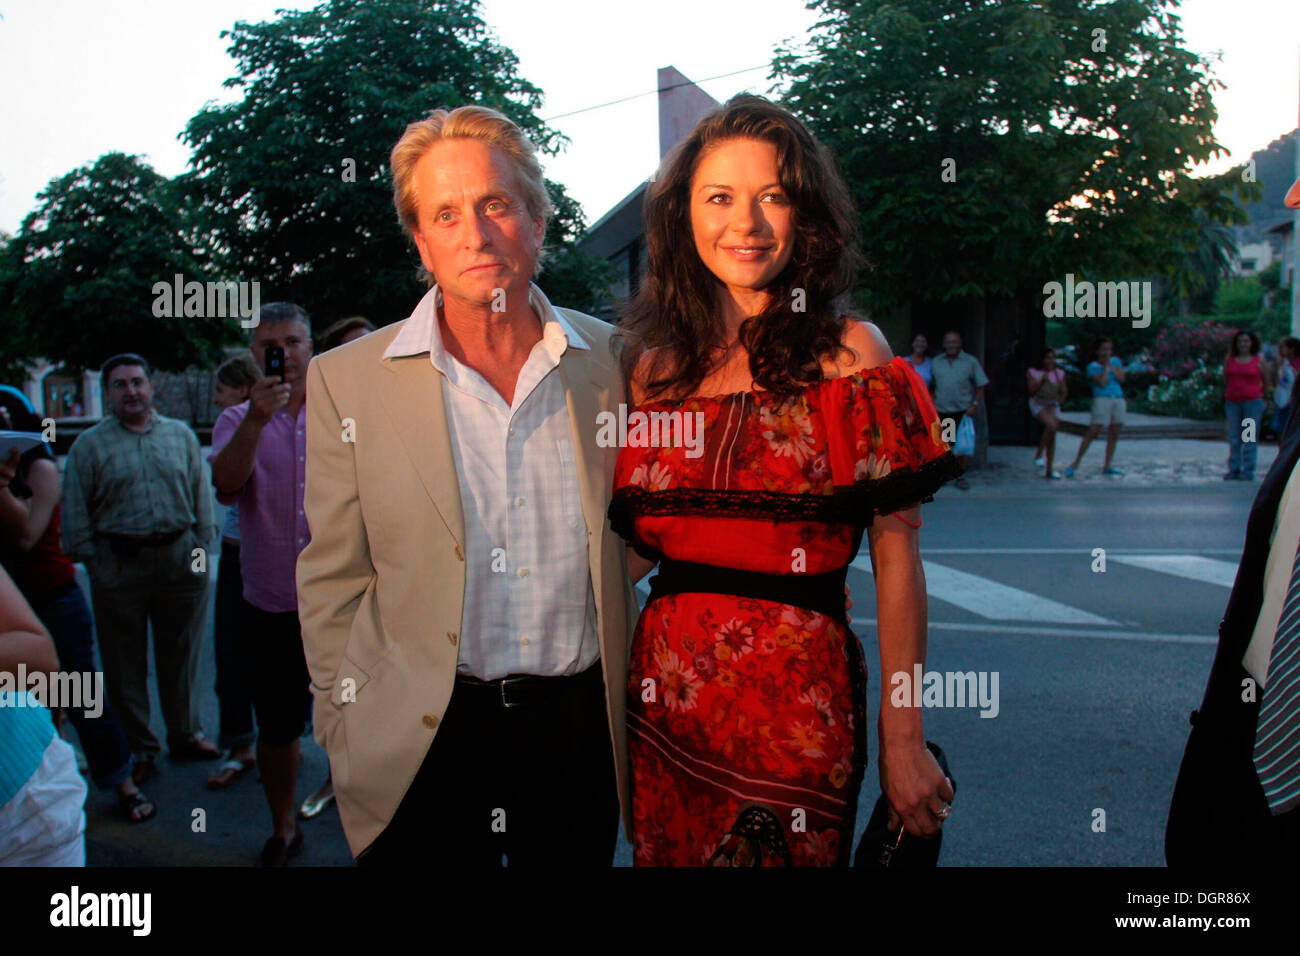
x: 958, y: 389
x: 137, y: 502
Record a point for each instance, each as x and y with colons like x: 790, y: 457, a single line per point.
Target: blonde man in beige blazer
x: 465, y: 606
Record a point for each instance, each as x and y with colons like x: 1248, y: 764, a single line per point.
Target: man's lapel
x: 586, y: 390
x: 411, y: 393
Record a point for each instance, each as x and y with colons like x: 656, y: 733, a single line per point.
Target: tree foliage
x: 76, y: 281
x: 329, y: 90
x: 1068, y: 130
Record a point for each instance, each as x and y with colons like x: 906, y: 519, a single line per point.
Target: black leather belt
x: 823, y: 593
x: 161, y: 537
x: 129, y: 545
x: 520, y: 689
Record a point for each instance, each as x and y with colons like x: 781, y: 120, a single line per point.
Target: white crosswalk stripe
x: 1190, y: 566
x: 992, y: 600
x: 995, y: 601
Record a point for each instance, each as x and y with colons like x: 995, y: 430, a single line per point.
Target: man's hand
x: 971, y: 409
x: 266, y: 398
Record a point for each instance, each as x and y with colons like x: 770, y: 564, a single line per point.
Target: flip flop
x: 127, y: 805
x: 229, y: 771
x: 196, y: 747
x: 314, y: 805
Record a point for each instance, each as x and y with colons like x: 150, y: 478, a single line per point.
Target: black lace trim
x: 853, y: 505
x: 756, y: 836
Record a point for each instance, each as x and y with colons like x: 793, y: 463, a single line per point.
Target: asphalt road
x: 1092, y: 713
x: 1096, y: 672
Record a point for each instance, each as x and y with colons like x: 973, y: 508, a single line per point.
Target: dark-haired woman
x: 31, y: 551
x: 1288, y: 349
x: 746, y: 708
x: 1245, y: 377
x: 1106, y: 374
x: 920, y: 359
x: 1047, y: 390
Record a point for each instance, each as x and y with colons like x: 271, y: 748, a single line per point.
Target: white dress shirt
x: 1277, y: 579
x: 529, y: 604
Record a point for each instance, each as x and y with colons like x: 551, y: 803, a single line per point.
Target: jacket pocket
x: 347, y: 685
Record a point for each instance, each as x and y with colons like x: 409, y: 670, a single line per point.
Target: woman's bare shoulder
x: 867, y: 346
x: 646, y: 364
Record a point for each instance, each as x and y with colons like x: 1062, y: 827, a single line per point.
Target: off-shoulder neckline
x: 860, y: 375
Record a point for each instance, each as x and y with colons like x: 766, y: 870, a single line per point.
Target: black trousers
x: 234, y: 699
x: 276, y: 668
x: 533, y: 782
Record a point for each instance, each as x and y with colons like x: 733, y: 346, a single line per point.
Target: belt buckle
x: 506, y: 680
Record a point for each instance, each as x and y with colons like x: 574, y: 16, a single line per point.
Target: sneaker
x: 1069, y: 473
x: 963, y: 484
x: 1112, y: 471
x: 1040, y: 461
x: 1053, y: 476
x: 1232, y: 476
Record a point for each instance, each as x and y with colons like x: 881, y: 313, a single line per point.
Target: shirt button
x: 459, y: 553
x: 451, y: 636
x: 511, y: 431
x: 523, y: 641
x: 523, y: 572
x: 430, y: 721
x: 519, y: 502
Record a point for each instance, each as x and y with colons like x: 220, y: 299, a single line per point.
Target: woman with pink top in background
x: 1245, y: 377
x: 1047, y: 391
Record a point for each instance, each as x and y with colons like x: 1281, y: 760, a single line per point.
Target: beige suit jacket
x: 381, y: 585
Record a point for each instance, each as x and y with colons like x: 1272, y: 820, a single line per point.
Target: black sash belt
x: 823, y: 593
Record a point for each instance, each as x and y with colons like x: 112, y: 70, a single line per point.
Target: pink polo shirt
x: 272, y: 525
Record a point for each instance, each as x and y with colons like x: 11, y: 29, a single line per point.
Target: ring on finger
x: 945, y: 813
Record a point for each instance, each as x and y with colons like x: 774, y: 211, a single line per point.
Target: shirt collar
x: 148, y: 426
x: 422, y: 334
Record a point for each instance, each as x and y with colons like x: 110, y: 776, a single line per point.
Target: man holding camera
x: 259, y: 459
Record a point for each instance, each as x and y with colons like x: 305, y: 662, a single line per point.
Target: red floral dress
x: 746, y: 715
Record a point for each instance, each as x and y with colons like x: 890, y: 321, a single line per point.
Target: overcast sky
x: 84, y: 77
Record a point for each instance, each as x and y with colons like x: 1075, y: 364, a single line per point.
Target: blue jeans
x: 1280, y: 420
x: 1242, y: 454
x: 66, y: 616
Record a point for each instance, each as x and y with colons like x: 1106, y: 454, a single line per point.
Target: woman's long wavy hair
x: 1255, y: 344
x: 677, y: 312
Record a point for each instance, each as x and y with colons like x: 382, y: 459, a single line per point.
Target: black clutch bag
x: 883, y: 848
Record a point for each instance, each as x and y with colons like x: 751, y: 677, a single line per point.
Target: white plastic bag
x: 965, y: 443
